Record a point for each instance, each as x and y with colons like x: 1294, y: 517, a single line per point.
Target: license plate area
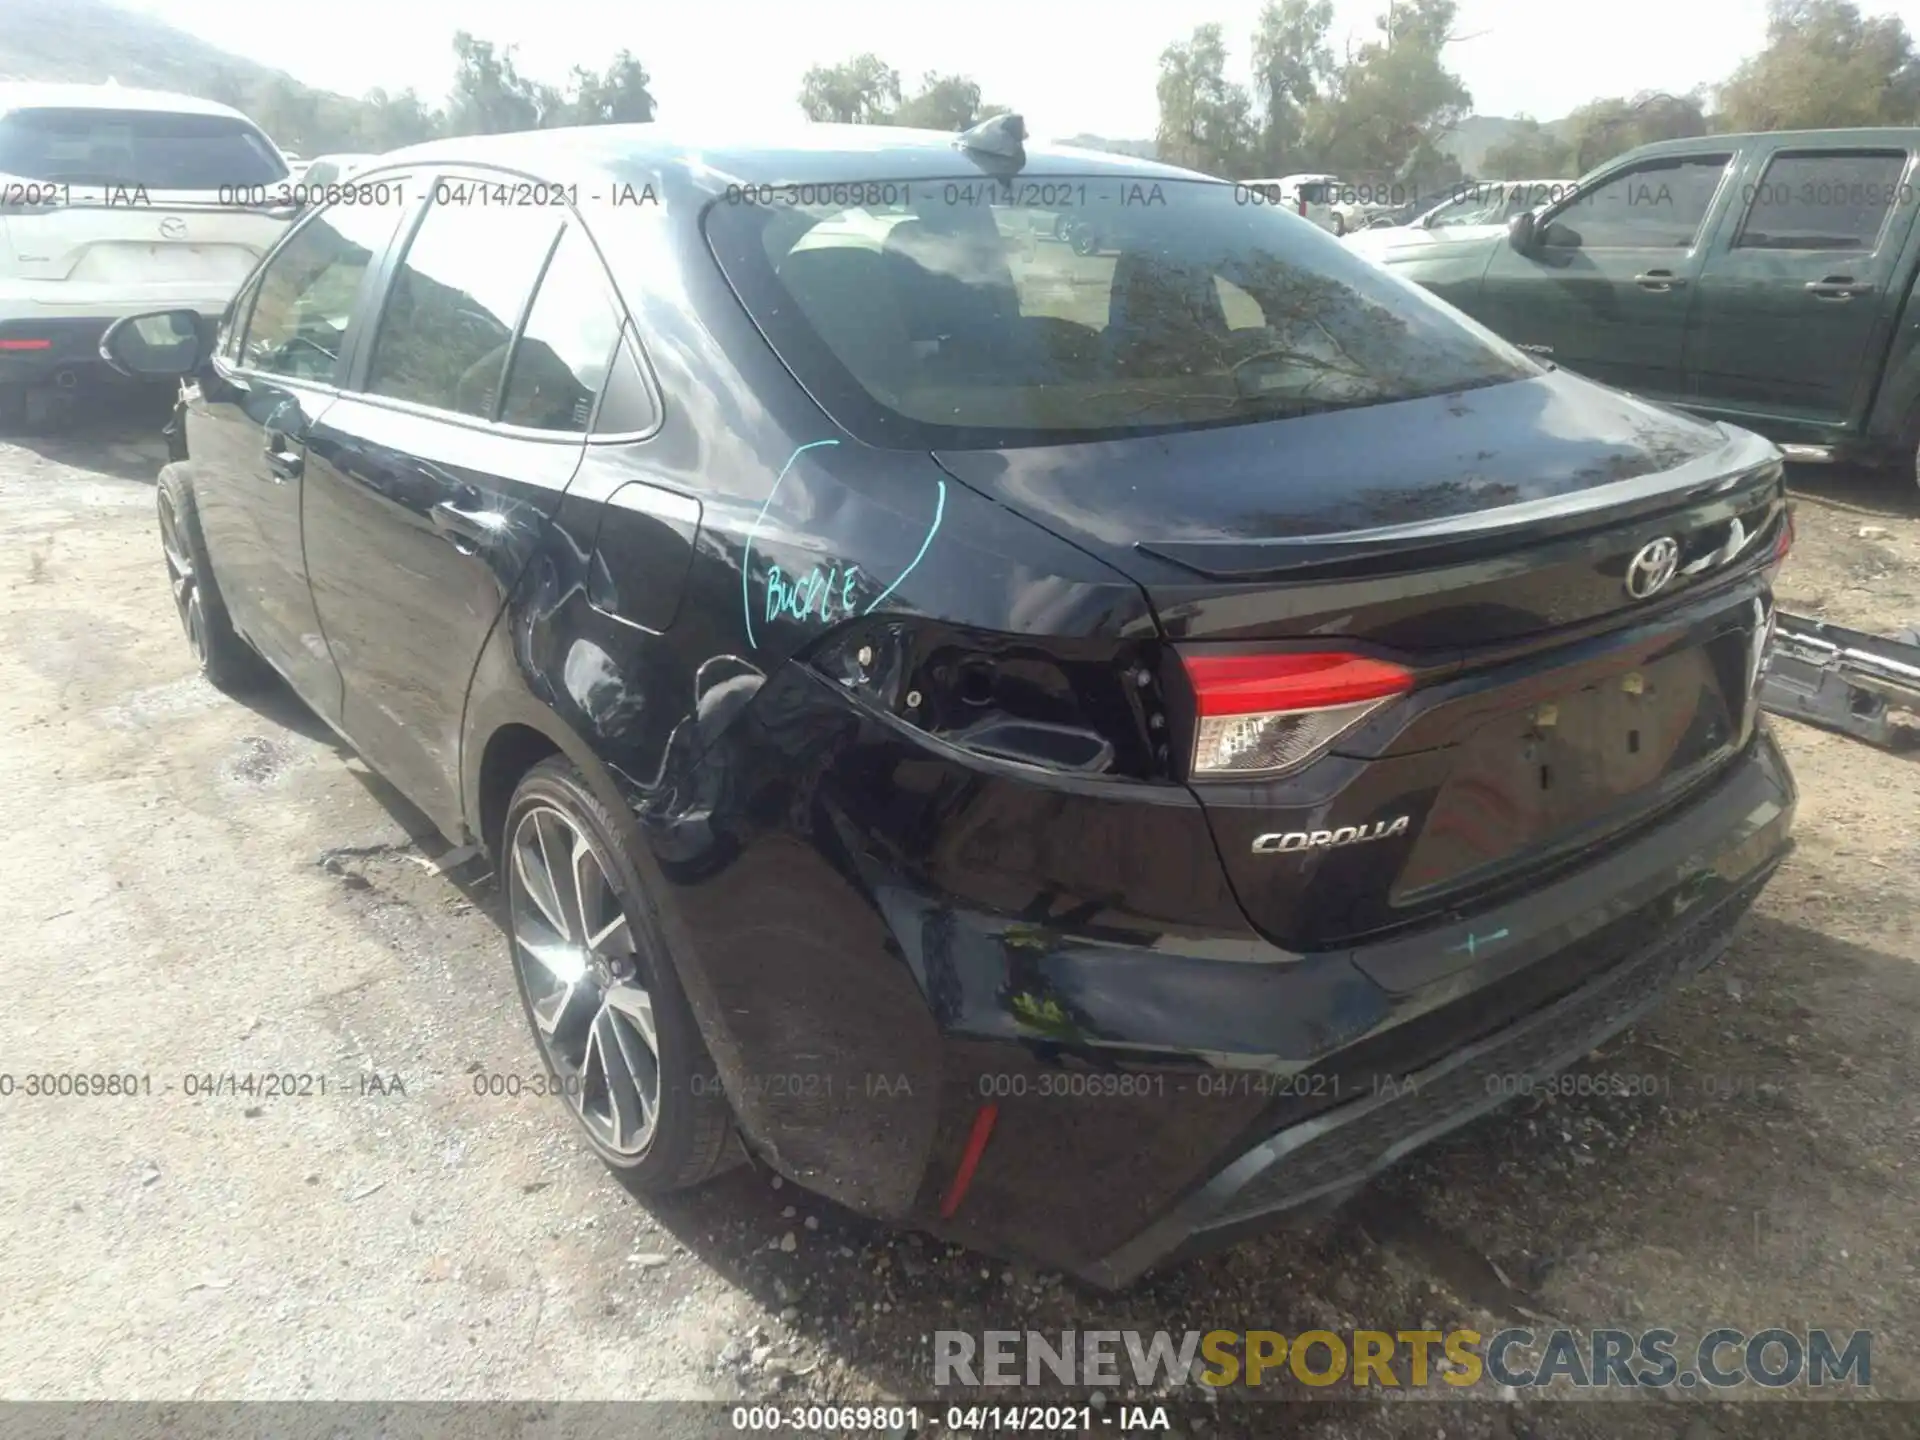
x: 1579, y: 765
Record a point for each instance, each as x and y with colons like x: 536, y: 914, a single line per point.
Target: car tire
x: 226, y: 660
x: 615, y: 1034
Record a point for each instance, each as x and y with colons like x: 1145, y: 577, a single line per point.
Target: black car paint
x: 881, y: 923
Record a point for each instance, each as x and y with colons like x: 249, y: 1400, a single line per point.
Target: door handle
x: 1837, y: 287
x: 467, y: 529
x: 1659, y: 281
x: 282, y: 459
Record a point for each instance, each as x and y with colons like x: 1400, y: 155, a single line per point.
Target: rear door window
x: 152, y: 149
x: 1657, y: 205
x: 561, y: 360
x: 1824, y: 201
x: 454, y: 304
x: 952, y: 315
x: 304, y: 296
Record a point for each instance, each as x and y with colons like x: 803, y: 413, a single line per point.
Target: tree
x: 490, y: 95
x: 1292, y: 66
x: 1824, y: 67
x: 1602, y: 129
x: 617, y: 96
x: 861, y: 91
x: 944, y: 102
x: 1531, y: 152
x: 1206, y: 121
x: 387, y: 122
x: 1394, y: 102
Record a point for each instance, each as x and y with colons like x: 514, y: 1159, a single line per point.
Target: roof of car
x: 37, y: 95
x: 805, y: 151
x: 1895, y: 136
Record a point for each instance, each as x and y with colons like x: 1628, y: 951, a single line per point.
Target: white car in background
x: 119, y: 202
x: 1469, y: 214
x: 1323, y: 199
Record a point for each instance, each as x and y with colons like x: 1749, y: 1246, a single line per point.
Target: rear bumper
x: 1308, y: 1167
x: 867, y: 992
x: 72, y: 326
x: 32, y: 351
x: 1375, y: 1053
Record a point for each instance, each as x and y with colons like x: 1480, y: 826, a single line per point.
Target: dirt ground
x: 196, y: 886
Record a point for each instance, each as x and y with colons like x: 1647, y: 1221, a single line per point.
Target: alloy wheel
x: 574, y: 949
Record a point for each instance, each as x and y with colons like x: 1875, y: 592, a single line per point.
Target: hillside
x: 91, y: 41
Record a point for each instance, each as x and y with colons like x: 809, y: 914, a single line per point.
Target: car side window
x: 1824, y: 202
x: 303, y: 299
x: 1657, y: 205
x: 454, y: 303
x: 566, y: 349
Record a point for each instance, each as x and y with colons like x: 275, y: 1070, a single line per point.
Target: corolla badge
x: 1280, y: 842
x: 173, y: 228
x: 1652, y: 567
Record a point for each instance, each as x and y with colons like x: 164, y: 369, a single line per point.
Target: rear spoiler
x: 1859, y: 685
x: 1733, y: 473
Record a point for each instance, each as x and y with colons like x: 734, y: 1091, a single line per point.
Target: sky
x: 1068, y: 66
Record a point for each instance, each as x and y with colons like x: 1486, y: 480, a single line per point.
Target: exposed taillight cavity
x: 1262, y: 714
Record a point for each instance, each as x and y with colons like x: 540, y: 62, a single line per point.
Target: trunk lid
x: 1486, y: 541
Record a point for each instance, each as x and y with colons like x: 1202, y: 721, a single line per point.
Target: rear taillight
x: 1784, y: 545
x: 1302, y: 203
x: 1259, y: 714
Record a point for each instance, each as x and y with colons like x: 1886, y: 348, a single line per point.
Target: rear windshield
x: 157, y: 149
x: 969, y: 314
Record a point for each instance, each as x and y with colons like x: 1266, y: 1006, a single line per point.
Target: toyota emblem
x: 1652, y: 567
x: 173, y: 228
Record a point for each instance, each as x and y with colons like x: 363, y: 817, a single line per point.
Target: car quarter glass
x: 561, y: 359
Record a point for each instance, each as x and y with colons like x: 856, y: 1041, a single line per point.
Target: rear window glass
x: 1315, y: 192
x: 968, y: 314
x: 157, y: 149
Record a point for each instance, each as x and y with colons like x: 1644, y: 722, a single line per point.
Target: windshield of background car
x: 154, y: 149
x: 973, y: 314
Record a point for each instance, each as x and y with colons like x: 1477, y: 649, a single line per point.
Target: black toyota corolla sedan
x: 1083, y: 753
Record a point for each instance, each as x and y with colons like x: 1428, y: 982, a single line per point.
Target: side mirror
x: 1520, y: 232
x: 165, y: 344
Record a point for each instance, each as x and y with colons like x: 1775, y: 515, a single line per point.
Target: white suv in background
x: 118, y: 202
x: 1315, y: 197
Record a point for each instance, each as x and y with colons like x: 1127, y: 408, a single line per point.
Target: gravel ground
x: 196, y: 887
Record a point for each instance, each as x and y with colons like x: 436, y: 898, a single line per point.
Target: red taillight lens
x: 1784, y: 544
x: 1264, y: 713
x: 26, y: 344
x: 1302, y: 204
